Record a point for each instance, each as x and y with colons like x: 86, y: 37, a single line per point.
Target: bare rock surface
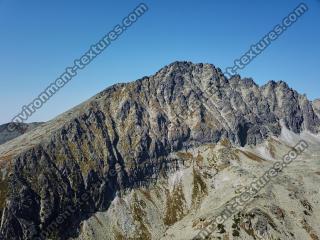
x: 106, y: 151
x: 187, y: 201
x: 316, y: 106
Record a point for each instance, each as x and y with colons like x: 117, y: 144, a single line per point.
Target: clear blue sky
x: 39, y: 39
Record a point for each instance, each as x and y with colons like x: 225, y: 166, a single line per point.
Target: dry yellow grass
x: 174, y: 206
x: 185, y: 155
x: 251, y: 156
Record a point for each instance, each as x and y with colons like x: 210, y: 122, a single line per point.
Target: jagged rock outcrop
x: 121, y: 139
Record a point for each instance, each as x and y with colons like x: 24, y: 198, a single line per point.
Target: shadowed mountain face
x: 21, y: 128
x: 123, y: 138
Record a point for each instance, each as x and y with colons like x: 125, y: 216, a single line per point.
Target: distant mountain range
x: 21, y: 128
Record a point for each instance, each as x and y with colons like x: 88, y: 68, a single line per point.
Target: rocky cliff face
x: 122, y: 138
x: 316, y: 106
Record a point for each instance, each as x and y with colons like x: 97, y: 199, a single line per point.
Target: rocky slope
x: 22, y: 128
x: 187, y: 201
x: 127, y: 137
x: 316, y: 106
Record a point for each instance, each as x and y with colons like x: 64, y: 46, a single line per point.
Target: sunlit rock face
x: 148, y: 157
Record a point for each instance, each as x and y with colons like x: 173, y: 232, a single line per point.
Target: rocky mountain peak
x: 123, y: 138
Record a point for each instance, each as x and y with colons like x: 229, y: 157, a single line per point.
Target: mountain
x: 316, y: 106
x: 155, y: 158
x: 21, y: 128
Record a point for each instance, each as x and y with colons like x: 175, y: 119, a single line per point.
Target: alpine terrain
x: 160, y: 157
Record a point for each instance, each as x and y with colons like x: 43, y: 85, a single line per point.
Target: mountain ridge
x: 21, y: 128
x: 176, y: 64
x: 123, y: 136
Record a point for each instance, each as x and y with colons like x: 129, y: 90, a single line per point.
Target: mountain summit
x: 124, y: 138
